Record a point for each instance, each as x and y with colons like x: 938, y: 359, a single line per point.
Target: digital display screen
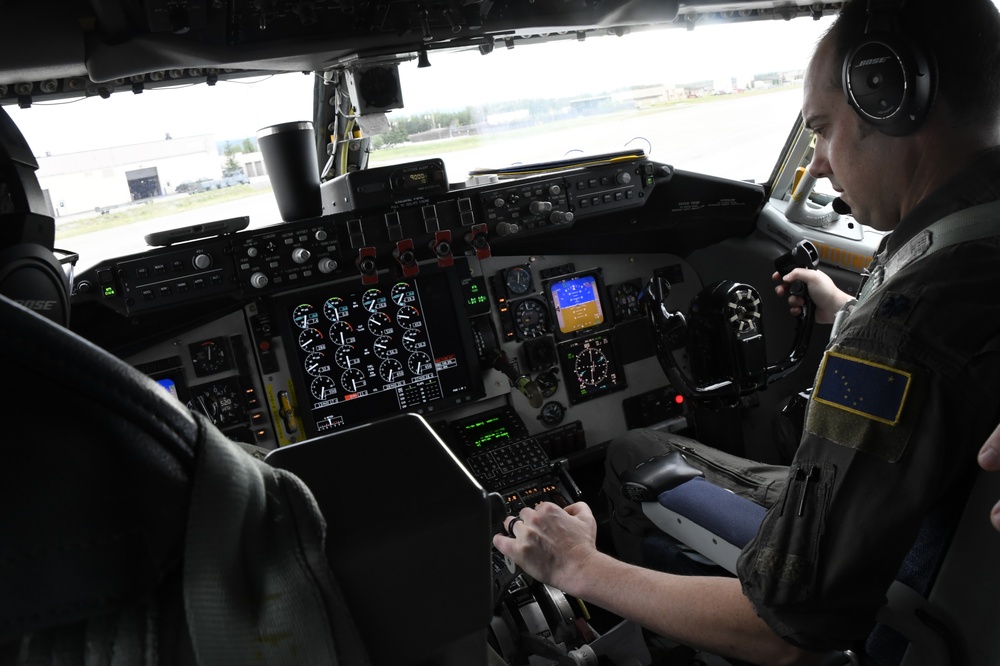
x: 169, y: 385
x: 576, y: 303
x: 358, y: 355
x: 591, y: 368
x: 488, y: 430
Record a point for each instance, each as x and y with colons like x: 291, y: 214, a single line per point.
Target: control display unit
x: 361, y: 354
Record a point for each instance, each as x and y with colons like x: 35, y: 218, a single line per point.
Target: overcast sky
x: 236, y: 109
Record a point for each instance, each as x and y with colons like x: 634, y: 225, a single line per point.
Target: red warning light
x: 679, y: 399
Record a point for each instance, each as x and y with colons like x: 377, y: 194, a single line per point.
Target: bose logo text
x: 38, y: 306
x: 873, y: 61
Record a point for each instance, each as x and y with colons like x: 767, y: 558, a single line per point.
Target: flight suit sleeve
x: 889, y: 434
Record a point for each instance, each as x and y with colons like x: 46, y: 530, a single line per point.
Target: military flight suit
x: 903, y: 399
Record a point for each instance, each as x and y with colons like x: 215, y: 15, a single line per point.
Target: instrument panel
x: 434, y: 304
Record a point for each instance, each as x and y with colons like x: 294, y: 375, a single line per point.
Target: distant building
x: 108, y: 177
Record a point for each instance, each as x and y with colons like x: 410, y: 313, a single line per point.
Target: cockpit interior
x: 428, y: 345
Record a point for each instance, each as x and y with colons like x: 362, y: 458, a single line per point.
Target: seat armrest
x: 708, y: 518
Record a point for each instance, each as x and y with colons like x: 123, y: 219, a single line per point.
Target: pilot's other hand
x: 989, y: 459
x: 827, y: 298
x: 550, y: 543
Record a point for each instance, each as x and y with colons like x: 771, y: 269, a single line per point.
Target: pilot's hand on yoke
x: 989, y: 459
x: 550, y: 543
x: 827, y: 298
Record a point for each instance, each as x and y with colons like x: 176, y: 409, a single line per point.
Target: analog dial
x: 346, y: 357
x: 383, y: 347
x: 518, y: 280
x: 390, y: 370
x: 323, y: 388
x: 627, y: 300
x: 531, y: 319
x: 419, y: 363
x: 373, y: 300
x: 412, y: 340
x: 315, y: 364
x: 379, y: 323
x: 311, y: 339
x: 353, y: 380
x: 305, y: 316
x: 552, y: 414
x: 408, y: 316
x: 341, y: 333
x: 209, y: 357
x: 334, y: 309
x: 402, y: 293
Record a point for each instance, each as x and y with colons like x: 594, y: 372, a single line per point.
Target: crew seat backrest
x: 134, y: 531
x: 943, y: 607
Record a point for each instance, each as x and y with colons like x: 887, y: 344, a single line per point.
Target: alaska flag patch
x: 862, y: 387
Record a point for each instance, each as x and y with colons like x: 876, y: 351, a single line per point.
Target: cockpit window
x: 718, y: 99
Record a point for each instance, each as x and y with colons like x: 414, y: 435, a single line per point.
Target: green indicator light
x: 109, y: 292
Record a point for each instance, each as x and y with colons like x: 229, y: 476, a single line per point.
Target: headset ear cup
x: 889, y: 83
x: 32, y: 276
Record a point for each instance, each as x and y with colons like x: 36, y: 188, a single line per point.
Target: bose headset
x: 30, y: 273
x: 888, y: 79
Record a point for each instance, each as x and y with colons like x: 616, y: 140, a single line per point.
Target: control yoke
x: 724, y: 335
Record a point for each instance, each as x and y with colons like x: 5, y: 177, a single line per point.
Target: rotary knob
x: 201, y: 261
x: 300, y: 255
x: 327, y: 265
x: 258, y: 280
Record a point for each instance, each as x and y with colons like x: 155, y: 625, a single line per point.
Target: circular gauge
x: 552, y: 414
x: 353, y: 380
x: 419, y: 363
x: 626, y: 298
x: 390, y: 370
x: 518, y: 280
x: 402, y: 293
x: 547, y: 383
x: 373, y: 300
x: 315, y: 364
x: 305, y: 316
x: 334, y: 308
x: 591, y: 367
x: 220, y: 402
x: 408, y: 316
x: 323, y: 388
x: 346, y: 357
x: 209, y: 357
x: 341, y: 333
x: 531, y: 319
x: 383, y: 347
x: 310, y: 339
x: 379, y: 323
x: 743, y: 309
x: 412, y: 341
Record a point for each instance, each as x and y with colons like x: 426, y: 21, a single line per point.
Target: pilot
x: 921, y: 343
